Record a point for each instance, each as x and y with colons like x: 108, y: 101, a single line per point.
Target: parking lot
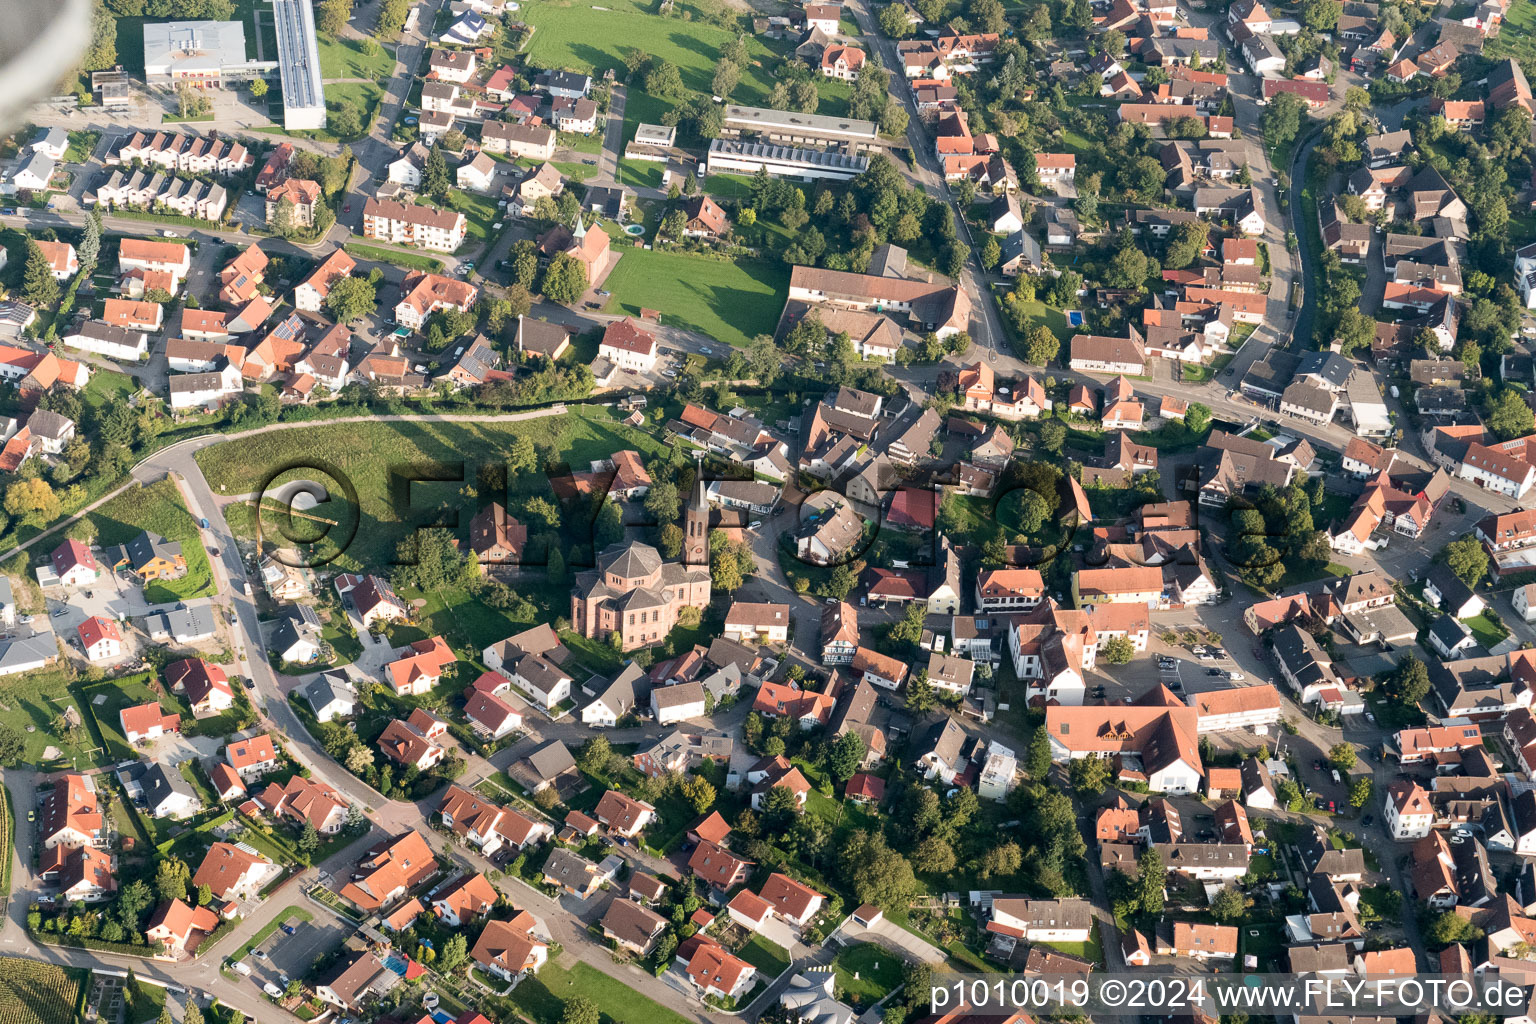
x: 282, y: 956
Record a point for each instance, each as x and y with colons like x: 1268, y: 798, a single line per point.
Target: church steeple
x: 579, y: 229
x: 696, y: 522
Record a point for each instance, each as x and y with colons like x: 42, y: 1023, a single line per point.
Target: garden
x: 158, y: 508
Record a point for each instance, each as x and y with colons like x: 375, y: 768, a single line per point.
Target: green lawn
x: 769, y: 958
x: 396, y: 257
x: 346, y: 58
x: 480, y: 213
x: 365, y: 96
x: 542, y: 997
x: 731, y: 302
x: 1055, y: 319
x: 366, y: 454
x: 157, y: 508
x: 640, y: 173
x: 878, y: 971
x: 1484, y: 630
x: 108, y: 387
x: 31, y: 702
x: 596, y: 37
x: 104, y: 701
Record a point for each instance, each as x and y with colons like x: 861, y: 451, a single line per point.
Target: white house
x: 1408, y: 812
x: 629, y: 347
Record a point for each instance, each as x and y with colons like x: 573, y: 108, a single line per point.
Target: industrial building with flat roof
x: 201, y: 53
x: 800, y: 129
x: 298, y: 62
x: 782, y: 161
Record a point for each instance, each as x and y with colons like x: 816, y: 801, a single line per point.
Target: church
x: 637, y: 594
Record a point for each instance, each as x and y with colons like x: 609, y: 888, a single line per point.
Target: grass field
x: 769, y: 958
x: 1484, y: 630
x: 731, y: 302
x: 32, y: 992
x: 1515, y: 38
x: 542, y: 997
x: 158, y: 509
x: 878, y: 970
x: 32, y: 702
x: 378, y: 457
x: 104, y: 702
x: 594, y: 38
x: 1055, y: 319
x: 346, y: 58
x: 396, y: 257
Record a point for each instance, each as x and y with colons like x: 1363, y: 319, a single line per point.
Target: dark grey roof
x: 1453, y: 592
x: 1330, y: 366
x: 1449, y: 631
x: 328, y: 687
x: 1272, y: 374
x: 551, y: 759
x: 160, y: 783
x: 944, y: 741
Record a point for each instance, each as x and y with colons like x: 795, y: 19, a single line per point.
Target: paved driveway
x: 292, y: 955
x: 893, y: 937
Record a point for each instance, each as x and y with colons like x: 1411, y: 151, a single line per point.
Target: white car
x: 1235, y: 676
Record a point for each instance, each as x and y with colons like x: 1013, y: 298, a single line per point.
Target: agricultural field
x: 32, y: 992
x: 730, y: 301
x: 157, y: 508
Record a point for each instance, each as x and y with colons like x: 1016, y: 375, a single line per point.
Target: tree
x: 309, y: 839
x: 1053, y: 435
x: 258, y: 88
x: 1464, y: 557
x: 920, y: 697
x: 699, y: 792
x: 1354, y: 331
x: 1151, y: 878
x: 935, y: 855
x: 1038, y: 758
x: 1090, y: 776
x: 665, y: 80
x: 171, y: 880
x: 190, y: 101
x: 12, y: 746
x: 132, y: 901
x: 1360, y: 792
x: 39, y: 286
x: 1032, y: 512
x: 101, y: 52
x: 435, y: 180
x: 204, y: 894
x: 430, y: 559
x: 1281, y: 120
x: 725, y: 572
x: 991, y: 252
x: 1450, y: 927
x: 1198, y: 419
x: 89, y: 251
x: 1229, y: 904
x: 1342, y: 756
x: 845, y: 756
x: 894, y: 21
x: 351, y: 298
x: 332, y: 16
x: 1507, y: 414
x: 566, y: 279
x: 32, y: 502
x: 1409, y: 682
x: 595, y: 755
x: 1186, y: 244
x: 1002, y: 861
x: 1041, y: 345
x: 453, y: 953
x: 1117, y: 650
x: 727, y: 75
x: 359, y: 759
x: 874, y: 872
